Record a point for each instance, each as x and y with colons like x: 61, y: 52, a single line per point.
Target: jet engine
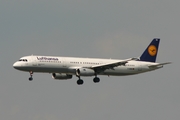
x: 85, y: 72
x: 61, y: 76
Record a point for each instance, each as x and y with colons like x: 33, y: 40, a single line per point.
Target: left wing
x: 111, y: 65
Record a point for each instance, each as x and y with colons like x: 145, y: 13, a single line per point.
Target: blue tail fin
x: 150, y: 53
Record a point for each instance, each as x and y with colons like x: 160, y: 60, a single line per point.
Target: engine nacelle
x: 61, y: 76
x: 85, y: 72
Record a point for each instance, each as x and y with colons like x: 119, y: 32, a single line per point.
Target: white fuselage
x: 68, y: 65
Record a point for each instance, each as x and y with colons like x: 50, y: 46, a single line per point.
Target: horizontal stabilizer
x: 159, y: 65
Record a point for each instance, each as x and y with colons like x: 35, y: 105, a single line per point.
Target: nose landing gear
x: 31, y: 74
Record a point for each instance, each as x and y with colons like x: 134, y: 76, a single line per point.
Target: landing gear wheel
x: 80, y: 82
x: 96, y: 80
x: 31, y: 74
x: 30, y: 79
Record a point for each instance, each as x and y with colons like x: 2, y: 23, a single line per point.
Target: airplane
x: 63, y: 68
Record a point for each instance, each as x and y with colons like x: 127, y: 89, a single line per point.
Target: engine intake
x: 61, y: 76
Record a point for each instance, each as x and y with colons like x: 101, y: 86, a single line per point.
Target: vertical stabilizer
x: 151, y: 51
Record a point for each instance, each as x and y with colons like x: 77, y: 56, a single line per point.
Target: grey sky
x: 89, y: 28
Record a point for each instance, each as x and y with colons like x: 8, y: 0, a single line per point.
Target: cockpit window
x: 25, y: 60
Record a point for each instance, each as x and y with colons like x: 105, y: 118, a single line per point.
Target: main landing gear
x: 96, y: 80
x: 80, y: 81
x: 31, y: 74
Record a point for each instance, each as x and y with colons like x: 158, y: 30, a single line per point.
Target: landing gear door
x: 34, y: 61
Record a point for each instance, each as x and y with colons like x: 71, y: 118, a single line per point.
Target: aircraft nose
x: 16, y: 65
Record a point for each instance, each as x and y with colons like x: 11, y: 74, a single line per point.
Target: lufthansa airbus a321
x: 63, y: 68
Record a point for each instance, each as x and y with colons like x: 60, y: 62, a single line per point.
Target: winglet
x: 151, y: 51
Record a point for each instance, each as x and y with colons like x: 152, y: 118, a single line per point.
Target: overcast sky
x: 89, y: 28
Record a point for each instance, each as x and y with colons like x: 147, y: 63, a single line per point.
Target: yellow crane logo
x: 152, y: 50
